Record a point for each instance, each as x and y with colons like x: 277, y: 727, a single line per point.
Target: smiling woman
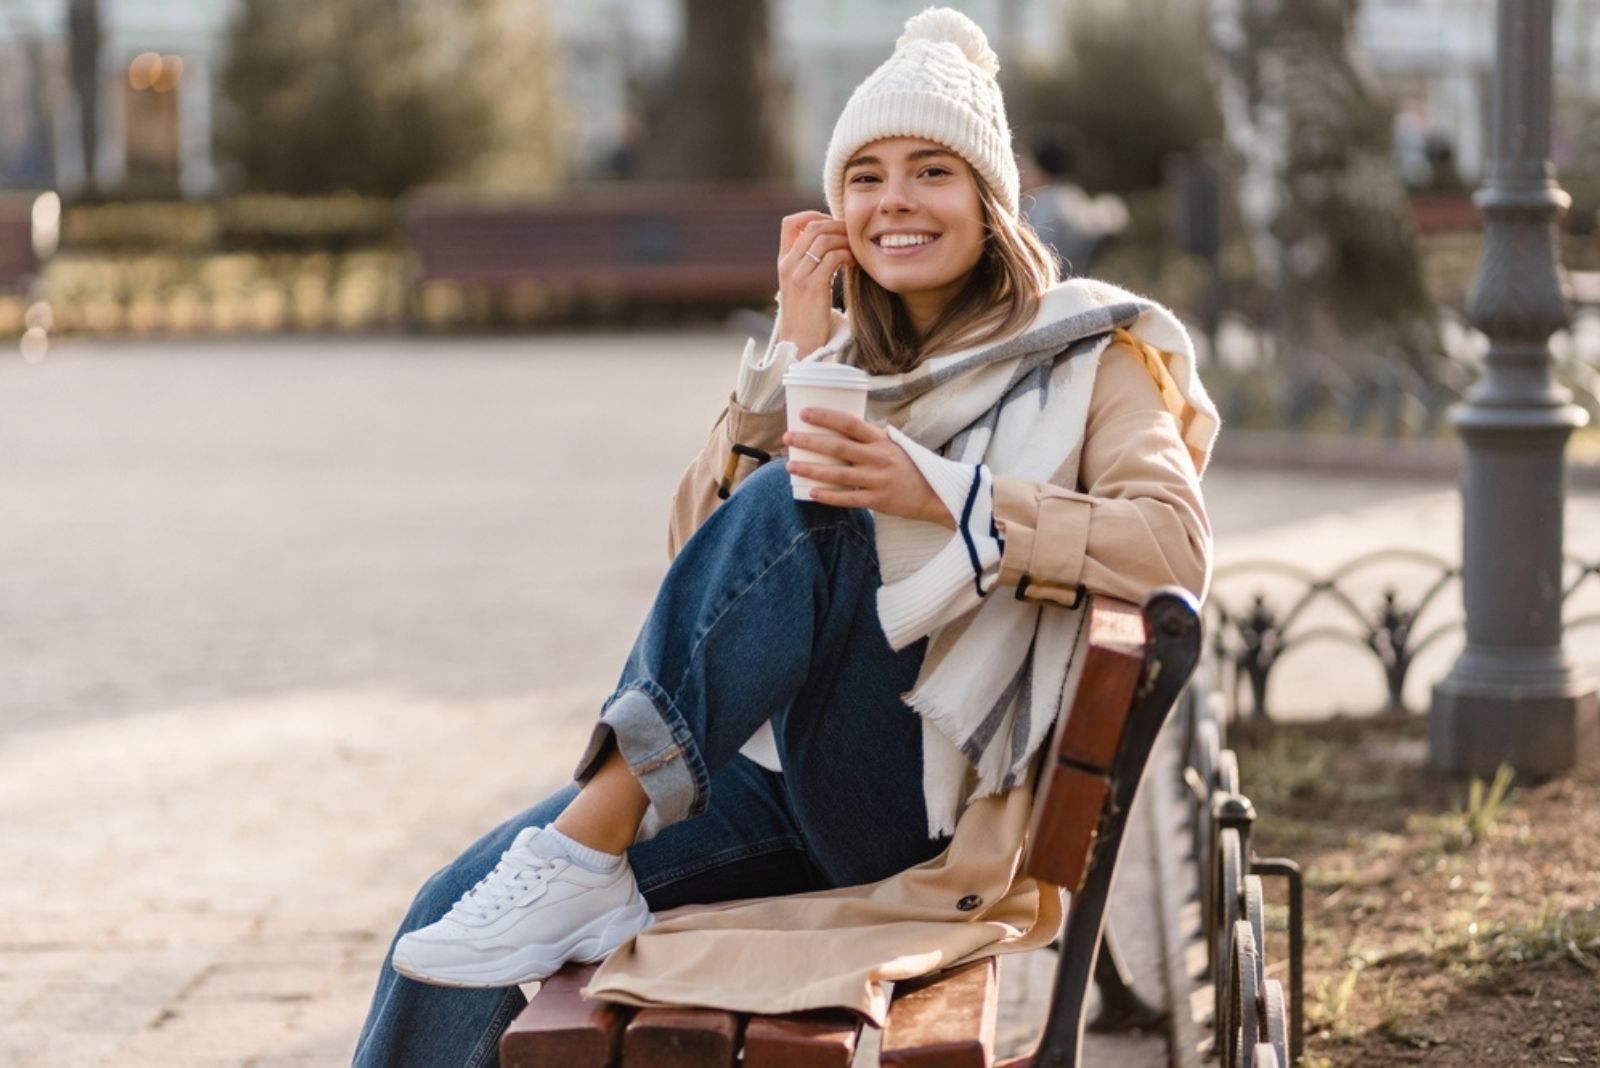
x: 915, y: 223
x: 835, y: 707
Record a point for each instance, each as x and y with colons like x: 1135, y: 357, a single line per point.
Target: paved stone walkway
x: 289, y: 622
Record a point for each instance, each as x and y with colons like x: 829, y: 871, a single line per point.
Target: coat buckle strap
x: 1079, y: 592
x: 725, y: 487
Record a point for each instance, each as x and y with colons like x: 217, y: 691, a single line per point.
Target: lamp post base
x: 1479, y: 721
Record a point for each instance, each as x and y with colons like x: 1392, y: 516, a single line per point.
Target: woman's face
x: 914, y: 221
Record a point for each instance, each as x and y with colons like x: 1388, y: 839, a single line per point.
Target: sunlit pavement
x: 289, y: 622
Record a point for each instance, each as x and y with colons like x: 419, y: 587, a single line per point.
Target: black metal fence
x: 1250, y: 635
x: 1397, y: 400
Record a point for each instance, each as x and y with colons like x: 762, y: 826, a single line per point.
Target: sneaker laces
x: 518, y: 872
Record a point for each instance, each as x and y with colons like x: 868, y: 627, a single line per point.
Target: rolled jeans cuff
x: 658, y: 748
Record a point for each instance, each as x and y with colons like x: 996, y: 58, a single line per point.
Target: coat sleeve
x: 1135, y: 521
x: 697, y: 493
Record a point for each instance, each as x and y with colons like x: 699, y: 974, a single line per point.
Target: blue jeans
x: 768, y: 612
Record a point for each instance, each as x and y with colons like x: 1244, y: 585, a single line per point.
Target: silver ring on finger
x: 814, y: 256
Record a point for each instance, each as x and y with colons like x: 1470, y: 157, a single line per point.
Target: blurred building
x: 153, y: 104
x: 155, y: 119
x: 157, y: 59
x: 1435, y: 56
x: 1437, y: 59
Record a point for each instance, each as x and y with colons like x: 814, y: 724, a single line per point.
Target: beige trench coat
x: 1129, y: 504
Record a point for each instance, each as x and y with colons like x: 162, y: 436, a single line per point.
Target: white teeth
x: 903, y: 240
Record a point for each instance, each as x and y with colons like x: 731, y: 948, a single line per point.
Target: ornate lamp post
x: 1514, y: 695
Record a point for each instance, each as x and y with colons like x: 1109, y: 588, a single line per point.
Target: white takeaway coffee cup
x: 821, y: 385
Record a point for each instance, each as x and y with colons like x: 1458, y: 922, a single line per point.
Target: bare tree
x: 716, y: 119
x: 83, y: 39
x: 1319, y: 194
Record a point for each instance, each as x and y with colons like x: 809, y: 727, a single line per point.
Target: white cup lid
x: 830, y: 375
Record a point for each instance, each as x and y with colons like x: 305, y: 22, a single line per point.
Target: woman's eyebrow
x: 919, y: 154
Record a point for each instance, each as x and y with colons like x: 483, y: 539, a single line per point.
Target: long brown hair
x: 1001, y: 295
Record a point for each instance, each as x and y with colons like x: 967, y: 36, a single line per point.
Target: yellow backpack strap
x: 1155, y: 362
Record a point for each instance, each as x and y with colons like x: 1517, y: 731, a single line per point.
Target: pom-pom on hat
x: 940, y: 85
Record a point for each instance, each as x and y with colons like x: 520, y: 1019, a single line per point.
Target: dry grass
x: 1449, y: 922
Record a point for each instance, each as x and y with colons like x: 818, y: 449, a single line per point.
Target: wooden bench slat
x: 1068, y: 800
x: 818, y: 1039
x: 1077, y: 799
x: 1099, y: 710
x: 561, y: 1026
x: 681, y: 1038
x: 944, y: 1021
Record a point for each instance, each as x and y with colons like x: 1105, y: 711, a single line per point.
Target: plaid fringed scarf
x: 995, y: 670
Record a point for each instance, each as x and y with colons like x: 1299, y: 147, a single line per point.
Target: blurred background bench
x: 696, y: 247
x: 18, y: 264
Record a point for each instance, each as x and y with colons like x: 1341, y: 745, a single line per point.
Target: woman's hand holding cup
x: 813, y: 246
x: 860, y: 466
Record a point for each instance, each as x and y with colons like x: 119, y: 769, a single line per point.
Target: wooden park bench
x: 18, y: 264
x: 1135, y: 664
x: 662, y: 243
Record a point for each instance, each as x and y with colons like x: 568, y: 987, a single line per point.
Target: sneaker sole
x: 537, y: 962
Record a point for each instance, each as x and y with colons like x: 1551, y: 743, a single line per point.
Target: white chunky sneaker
x: 534, y: 912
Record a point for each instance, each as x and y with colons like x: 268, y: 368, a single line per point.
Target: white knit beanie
x: 939, y: 85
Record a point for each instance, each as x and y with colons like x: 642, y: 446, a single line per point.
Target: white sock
x: 595, y: 860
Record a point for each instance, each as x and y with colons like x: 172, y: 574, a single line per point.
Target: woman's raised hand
x: 873, y: 471
x: 811, y: 248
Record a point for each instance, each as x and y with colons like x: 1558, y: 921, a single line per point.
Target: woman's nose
x: 896, y: 196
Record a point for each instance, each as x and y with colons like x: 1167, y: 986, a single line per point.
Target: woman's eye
x: 935, y: 172
x: 861, y: 179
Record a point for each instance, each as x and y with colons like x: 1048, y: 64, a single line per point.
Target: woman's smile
x: 904, y: 242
